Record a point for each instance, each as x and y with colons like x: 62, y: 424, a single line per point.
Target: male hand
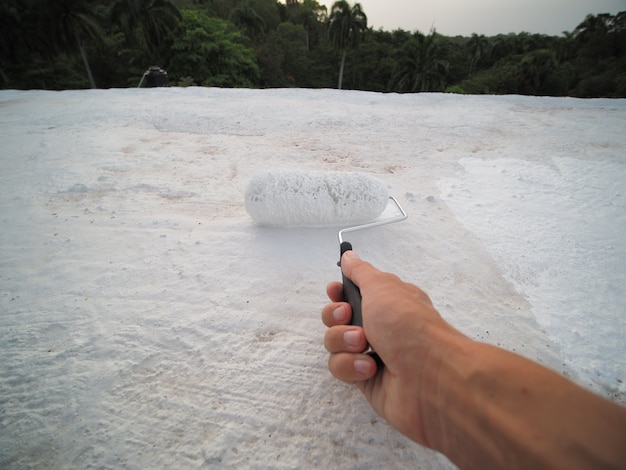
x: 399, y: 323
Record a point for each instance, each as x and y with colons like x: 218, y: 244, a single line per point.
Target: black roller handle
x: 352, y: 295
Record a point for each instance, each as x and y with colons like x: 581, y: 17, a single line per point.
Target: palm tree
x: 475, y: 49
x: 420, y: 66
x: 310, y: 14
x: 248, y: 20
x: 12, y: 40
x: 534, y: 69
x: 67, y: 23
x: 592, y: 25
x: 502, y: 46
x: 566, y: 46
x: 153, y: 19
x: 347, y: 25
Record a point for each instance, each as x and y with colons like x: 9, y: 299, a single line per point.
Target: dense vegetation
x: 265, y: 43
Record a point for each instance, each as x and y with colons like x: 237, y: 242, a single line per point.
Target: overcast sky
x: 488, y: 17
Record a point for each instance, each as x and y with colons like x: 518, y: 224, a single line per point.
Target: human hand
x: 402, y: 326
x: 481, y: 406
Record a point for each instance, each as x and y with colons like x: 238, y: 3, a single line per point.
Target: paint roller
x: 297, y: 198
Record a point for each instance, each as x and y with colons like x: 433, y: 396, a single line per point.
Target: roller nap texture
x: 295, y: 198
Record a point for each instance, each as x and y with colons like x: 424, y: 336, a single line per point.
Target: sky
x: 488, y: 17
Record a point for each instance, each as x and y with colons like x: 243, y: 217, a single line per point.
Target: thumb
x: 355, y: 269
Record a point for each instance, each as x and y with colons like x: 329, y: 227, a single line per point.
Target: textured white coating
x: 296, y: 198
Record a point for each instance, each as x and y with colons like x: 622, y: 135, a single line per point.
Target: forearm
x: 486, y: 407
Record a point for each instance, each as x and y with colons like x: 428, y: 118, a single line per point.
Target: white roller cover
x: 295, y: 198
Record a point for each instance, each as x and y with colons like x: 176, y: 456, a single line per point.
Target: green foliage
x: 248, y: 20
x: 186, y: 81
x: 80, y: 43
x: 456, y: 89
x: 268, y: 11
x: 284, y: 57
x: 346, y: 26
x: 501, y: 80
x: 64, y: 72
x: 310, y: 15
x: 535, y: 70
x: 209, y: 50
x: 476, y: 48
x: 371, y: 65
x: 420, y: 66
x: 148, y: 23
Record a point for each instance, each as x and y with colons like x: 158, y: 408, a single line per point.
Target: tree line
x: 68, y: 44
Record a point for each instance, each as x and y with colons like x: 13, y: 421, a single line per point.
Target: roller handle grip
x: 352, y: 295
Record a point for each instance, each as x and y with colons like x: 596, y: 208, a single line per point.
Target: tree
x: 374, y: 62
x: 268, y: 11
x: 475, y: 49
x: 67, y: 24
x: 12, y: 40
x: 502, y: 46
x: 420, y: 66
x: 534, y: 70
x: 209, y: 52
x: 617, y: 32
x: 566, y: 46
x: 284, y: 59
x: 150, y: 20
x: 310, y: 14
x: 347, y: 25
x: 592, y: 26
x: 248, y: 20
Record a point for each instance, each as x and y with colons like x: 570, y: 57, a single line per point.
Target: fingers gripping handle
x: 352, y: 295
x: 351, y: 292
